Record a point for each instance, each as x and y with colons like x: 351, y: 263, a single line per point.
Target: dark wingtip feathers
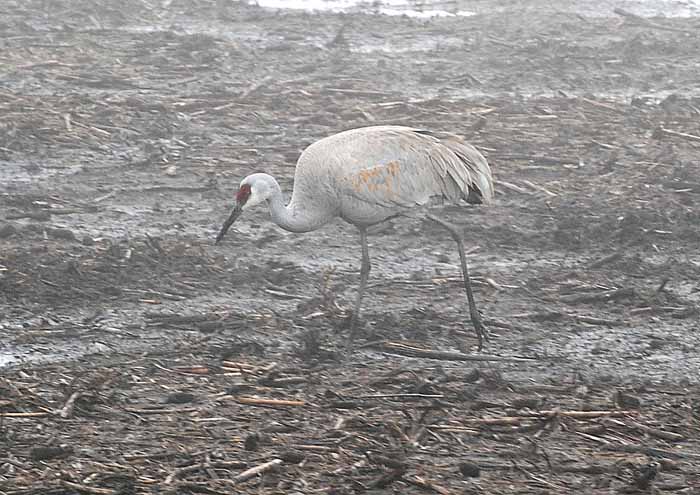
x: 475, y: 197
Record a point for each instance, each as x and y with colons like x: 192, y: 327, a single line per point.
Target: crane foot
x: 482, y: 333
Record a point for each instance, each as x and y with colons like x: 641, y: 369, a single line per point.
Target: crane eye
x: 243, y: 194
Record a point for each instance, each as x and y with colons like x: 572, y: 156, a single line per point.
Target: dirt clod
x: 469, y: 469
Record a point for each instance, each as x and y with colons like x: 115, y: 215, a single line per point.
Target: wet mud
x: 138, y: 357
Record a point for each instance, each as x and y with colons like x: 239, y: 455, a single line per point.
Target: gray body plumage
x: 370, y: 174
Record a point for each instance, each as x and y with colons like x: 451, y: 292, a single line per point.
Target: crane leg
x: 364, y: 276
x: 479, y: 327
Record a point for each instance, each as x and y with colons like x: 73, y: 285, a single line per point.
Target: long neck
x: 297, y: 216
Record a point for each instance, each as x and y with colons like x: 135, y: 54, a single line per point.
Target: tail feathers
x: 480, y: 183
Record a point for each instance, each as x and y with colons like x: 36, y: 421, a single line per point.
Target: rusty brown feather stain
x: 378, y: 179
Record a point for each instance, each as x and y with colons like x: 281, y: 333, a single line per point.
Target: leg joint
x: 366, y: 265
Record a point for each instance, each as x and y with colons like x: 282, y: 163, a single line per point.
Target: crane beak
x: 237, y: 210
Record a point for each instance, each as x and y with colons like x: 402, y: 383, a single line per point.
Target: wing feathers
x: 400, y: 166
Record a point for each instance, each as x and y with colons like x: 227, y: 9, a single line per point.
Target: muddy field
x: 140, y: 358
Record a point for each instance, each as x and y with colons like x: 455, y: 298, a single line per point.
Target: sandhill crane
x: 368, y: 175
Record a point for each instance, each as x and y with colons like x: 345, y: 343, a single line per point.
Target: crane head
x: 254, y: 189
x: 242, y: 197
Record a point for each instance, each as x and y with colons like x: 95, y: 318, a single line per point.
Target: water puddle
x: 665, y: 8
x: 23, y: 173
x: 419, y: 10
x: 425, y: 9
x: 26, y: 355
